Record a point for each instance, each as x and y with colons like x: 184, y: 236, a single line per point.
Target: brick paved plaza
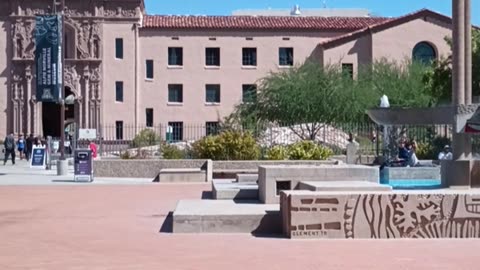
x: 59, y: 227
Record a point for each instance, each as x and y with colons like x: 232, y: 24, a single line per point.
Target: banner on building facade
x: 48, y: 58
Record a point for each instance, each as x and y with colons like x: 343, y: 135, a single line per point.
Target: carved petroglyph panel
x: 387, y: 215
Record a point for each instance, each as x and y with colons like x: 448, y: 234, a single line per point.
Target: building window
x: 175, y: 56
x: 149, y: 117
x: 119, y: 130
x: 424, y: 52
x: 119, y: 91
x: 119, y: 48
x: 347, y: 69
x: 149, y: 69
x: 249, y: 56
x: 286, y: 56
x: 175, y: 93
x: 249, y: 93
x: 212, y: 92
x: 177, y: 131
x: 212, y: 128
x: 212, y: 56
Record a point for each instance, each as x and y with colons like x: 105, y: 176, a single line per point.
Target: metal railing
x: 114, y: 140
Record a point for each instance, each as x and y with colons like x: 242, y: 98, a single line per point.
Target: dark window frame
x: 119, y: 130
x: 249, y: 56
x: 175, y: 56
x: 149, y: 69
x: 212, y: 57
x: 119, y: 48
x: 286, y: 56
x: 347, y: 69
x: 177, y: 132
x: 119, y: 93
x: 216, y: 93
x: 247, y: 90
x: 212, y: 128
x: 175, y: 90
x: 149, y: 117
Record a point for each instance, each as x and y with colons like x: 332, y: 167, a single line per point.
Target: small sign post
x: 87, y: 134
x: 83, y: 171
x: 39, y: 157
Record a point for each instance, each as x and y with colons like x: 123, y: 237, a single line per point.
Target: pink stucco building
x: 125, y: 67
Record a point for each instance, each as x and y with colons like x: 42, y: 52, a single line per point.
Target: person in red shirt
x: 93, y: 148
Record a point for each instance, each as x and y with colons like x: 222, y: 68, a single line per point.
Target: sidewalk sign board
x: 83, y: 171
x: 39, y: 157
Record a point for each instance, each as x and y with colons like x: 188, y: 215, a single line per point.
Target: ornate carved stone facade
x: 83, y: 51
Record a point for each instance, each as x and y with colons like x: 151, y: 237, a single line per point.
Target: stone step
x: 226, y: 216
x: 232, y: 190
x: 342, y: 186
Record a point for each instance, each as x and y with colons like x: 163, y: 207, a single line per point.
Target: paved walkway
x: 21, y: 174
x: 97, y: 227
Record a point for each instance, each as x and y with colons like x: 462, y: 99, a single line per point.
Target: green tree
x: 438, y: 80
x: 402, y: 82
x: 308, y: 96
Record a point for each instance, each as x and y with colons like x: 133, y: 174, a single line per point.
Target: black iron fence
x: 116, y: 139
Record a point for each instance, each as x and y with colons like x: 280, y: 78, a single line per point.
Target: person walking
x: 29, y: 147
x: 93, y: 148
x: 21, y: 146
x: 9, y: 144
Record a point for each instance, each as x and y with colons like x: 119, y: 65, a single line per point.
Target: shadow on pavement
x: 167, y: 226
x: 68, y: 181
x: 207, y: 195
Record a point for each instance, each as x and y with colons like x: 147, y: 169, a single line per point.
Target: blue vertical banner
x: 48, y: 58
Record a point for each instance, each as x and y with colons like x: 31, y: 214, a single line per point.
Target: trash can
x: 83, y: 163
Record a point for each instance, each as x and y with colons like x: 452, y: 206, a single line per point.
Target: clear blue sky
x: 379, y: 7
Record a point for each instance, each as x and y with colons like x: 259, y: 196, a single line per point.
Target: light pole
x: 62, y: 164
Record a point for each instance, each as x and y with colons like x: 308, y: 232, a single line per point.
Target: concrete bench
x: 247, y: 177
x: 232, y: 173
x: 229, y: 190
x: 182, y: 175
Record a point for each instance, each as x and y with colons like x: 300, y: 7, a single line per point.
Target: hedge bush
x: 146, y: 137
x: 432, y: 149
x: 278, y: 152
x: 172, y: 152
x: 303, y: 150
x: 228, y: 145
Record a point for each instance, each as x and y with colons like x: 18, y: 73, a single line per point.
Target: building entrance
x: 51, y: 116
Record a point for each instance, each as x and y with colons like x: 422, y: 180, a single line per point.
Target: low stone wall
x: 272, y: 179
x: 365, y: 215
x: 360, y: 159
x: 411, y: 173
x: 143, y: 168
x: 224, y: 165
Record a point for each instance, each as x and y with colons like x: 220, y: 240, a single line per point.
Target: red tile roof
x: 423, y: 13
x: 260, y: 22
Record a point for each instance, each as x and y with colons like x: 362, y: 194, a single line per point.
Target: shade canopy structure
x: 473, y: 124
x: 412, y: 116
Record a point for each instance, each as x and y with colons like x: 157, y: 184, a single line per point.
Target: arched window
x: 424, y: 52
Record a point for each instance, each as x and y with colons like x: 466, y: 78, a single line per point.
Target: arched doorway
x: 51, y: 115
